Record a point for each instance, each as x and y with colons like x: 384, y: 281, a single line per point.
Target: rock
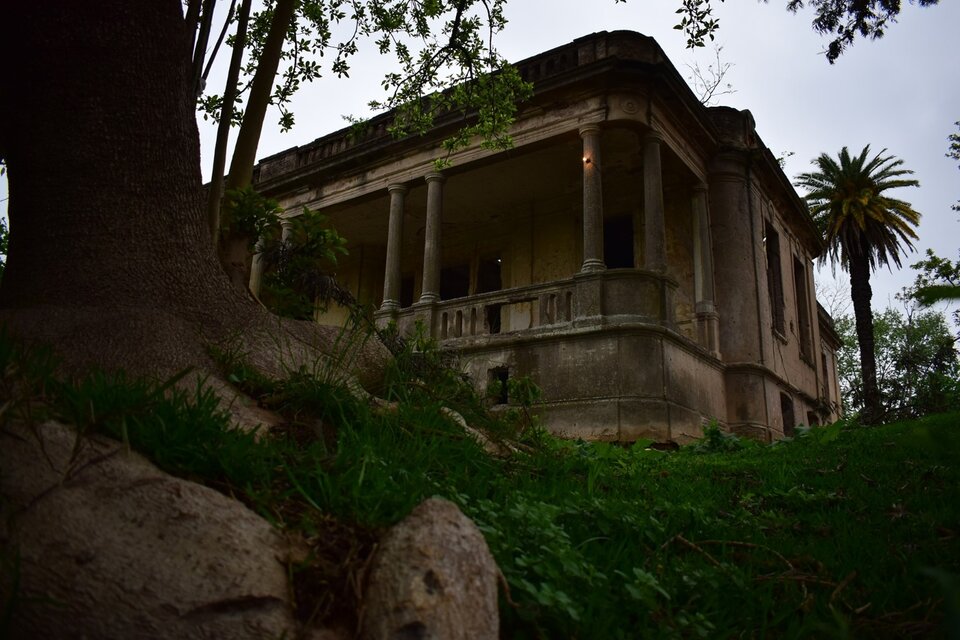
x: 432, y: 578
x: 111, y: 547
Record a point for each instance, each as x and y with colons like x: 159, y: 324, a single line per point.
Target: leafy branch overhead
x: 841, y: 20
x: 954, y: 152
x: 844, y: 20
x: 436, y: 45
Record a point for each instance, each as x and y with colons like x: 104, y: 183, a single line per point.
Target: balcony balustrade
x: 614, y: 296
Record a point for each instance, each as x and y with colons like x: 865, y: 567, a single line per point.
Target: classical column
x: 702, y: 253
x: 655, y: 238
x: 391, y: 276
x: 703, y: 270
x: 431, y: 240
x: 286, y: 228
x: 592, y: 200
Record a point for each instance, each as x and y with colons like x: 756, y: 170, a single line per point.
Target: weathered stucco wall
x: 630, y: 383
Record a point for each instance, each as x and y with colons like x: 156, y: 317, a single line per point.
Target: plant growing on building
x: 300, y: 269
x: 251, y: 214
x: 863, y: 228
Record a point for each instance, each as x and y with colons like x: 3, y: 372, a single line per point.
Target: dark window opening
x: 812, y: 419
x: 489, y: 274
x: 774, y: 276
x: 803, y: 310
x: 493, y: 317
x: 826, y: 376
x: 498, y: 383
x: 786, y: 409
x: 454, y: 282
x: 406, y: 291
x: 618, y: 242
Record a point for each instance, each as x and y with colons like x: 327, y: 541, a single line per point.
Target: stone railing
x: 608, y: 297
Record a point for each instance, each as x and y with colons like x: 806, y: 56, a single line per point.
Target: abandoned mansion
x: 642, y: 257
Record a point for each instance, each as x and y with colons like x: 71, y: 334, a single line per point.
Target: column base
x: 592, y: 265
x: 390, y: 306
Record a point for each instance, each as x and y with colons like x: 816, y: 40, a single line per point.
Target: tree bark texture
x: 99, y: 133
x: 861, y: 293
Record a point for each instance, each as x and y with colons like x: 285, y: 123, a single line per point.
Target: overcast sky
x: 901, y: 92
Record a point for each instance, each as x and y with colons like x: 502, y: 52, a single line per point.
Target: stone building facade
x: 641, y: 256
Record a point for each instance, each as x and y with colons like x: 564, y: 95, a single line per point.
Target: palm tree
x: 862, y: 228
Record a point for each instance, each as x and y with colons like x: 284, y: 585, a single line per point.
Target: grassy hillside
x: 841, y: 532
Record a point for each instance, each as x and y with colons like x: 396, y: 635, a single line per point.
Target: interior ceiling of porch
x: 488, y: 198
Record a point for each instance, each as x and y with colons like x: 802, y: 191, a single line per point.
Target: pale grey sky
x: 901, y: 92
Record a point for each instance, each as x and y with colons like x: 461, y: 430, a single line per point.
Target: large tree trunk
x: 861, y: 293
x: 100, y: 138
x: 109, y: 254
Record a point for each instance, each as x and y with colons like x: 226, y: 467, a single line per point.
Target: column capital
x: 397, y: 187
x: 591, y: 128
x: 435, y: 176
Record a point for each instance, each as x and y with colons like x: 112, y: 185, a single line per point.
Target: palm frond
x: 849, y: 206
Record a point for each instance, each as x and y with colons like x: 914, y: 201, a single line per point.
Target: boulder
x: 109, y: 546
x: 432, y: 578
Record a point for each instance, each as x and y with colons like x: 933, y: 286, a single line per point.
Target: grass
x: 842, y: 532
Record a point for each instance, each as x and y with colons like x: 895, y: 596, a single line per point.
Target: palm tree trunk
x: 861, y: 293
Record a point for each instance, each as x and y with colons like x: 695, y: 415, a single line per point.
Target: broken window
x: 493, y: 318
x: 497, y: 381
